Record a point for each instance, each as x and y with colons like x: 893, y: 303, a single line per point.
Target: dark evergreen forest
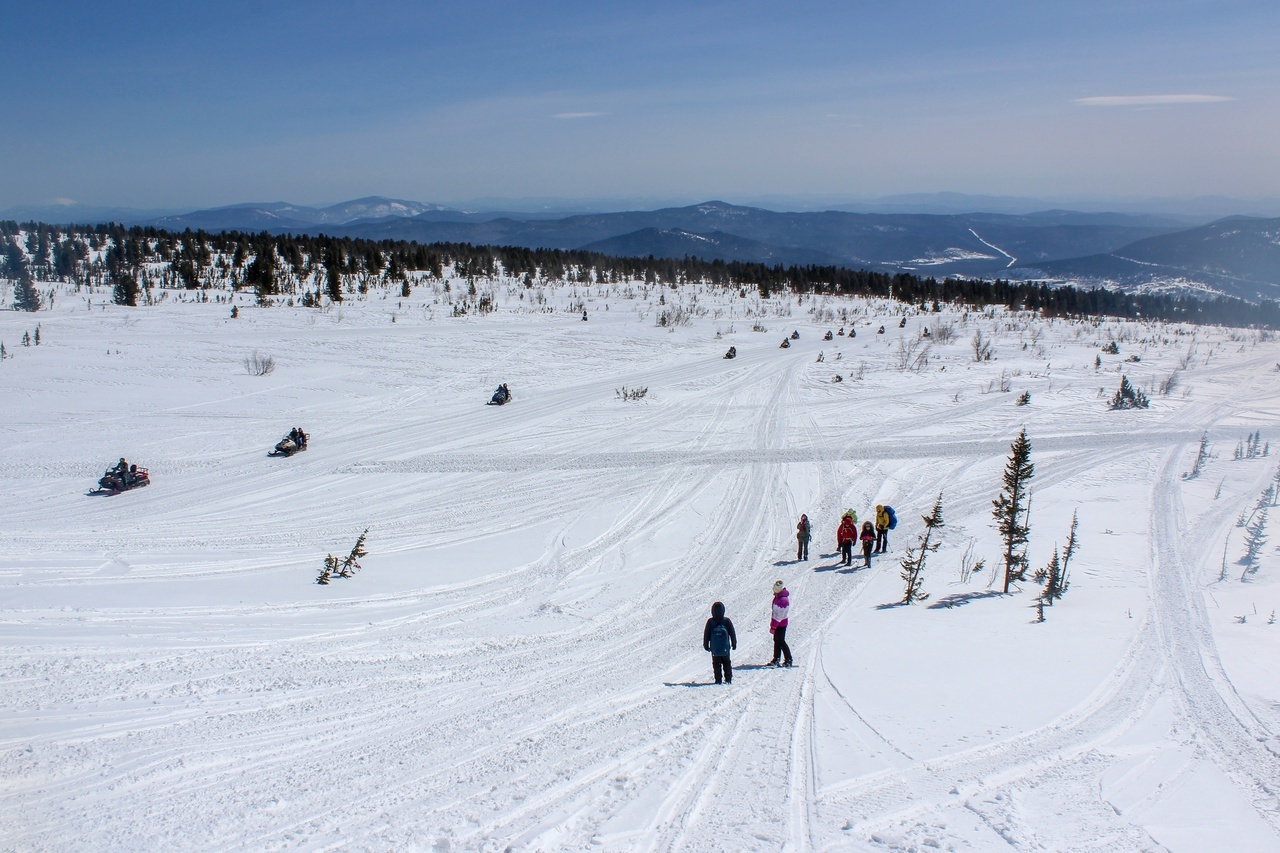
x: 317, y: 269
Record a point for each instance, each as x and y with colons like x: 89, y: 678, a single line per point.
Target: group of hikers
x: 718, y: 636
x: 874, y: 537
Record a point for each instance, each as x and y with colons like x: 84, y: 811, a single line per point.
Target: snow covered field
x: 518, y: 664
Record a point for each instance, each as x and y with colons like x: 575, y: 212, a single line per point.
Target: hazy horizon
x: 174, y: 108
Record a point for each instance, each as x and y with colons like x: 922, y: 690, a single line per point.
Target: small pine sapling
x: 1255, y: 538
x: 913, y: 562
x: 1052, y: 574
x: 326, y: 573
x: 1073, y: 545
x: 352, y: 561
x: 1202, y: 456
x: 1009, y: 509
x: 1024, y: 399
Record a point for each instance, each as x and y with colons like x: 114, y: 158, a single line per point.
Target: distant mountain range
x: 1239, y: 256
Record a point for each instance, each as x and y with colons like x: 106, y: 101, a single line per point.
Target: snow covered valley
x: 518, y: 662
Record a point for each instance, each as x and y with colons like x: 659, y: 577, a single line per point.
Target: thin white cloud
x: 1149, y: 100
x: 578, y: 115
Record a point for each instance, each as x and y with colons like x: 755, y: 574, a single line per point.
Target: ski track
x: 588, y: 722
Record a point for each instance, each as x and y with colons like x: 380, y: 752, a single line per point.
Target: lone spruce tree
x: 1010, y: 509
x: 913, y: 562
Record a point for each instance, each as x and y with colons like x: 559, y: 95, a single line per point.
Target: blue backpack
x: 720, y: 640
x: 893, y: 517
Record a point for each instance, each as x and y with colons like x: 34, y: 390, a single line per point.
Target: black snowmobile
x: 294, y: 442
x: 732, y: 353
x: 116, y: 480
x: 501, y: 397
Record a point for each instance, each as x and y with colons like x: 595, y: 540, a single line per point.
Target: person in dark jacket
x: 803, y: 535
x: 719, y: 639
x: 868, y: 541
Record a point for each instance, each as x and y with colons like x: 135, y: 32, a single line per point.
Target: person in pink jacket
x: 778, y: 625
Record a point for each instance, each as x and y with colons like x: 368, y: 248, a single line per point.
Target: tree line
x: 128, y: 258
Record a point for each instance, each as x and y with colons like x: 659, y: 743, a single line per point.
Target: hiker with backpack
x: 803, y: 534
x: 846, y: 534
x: 778, y: 625
x: 719, y: 639
x: 886, y: 520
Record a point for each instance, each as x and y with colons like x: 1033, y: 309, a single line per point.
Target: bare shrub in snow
x: 944, y: 333
x: 983, y: 349
x: 259, y: 364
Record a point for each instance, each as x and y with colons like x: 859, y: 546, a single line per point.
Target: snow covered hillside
x: 518, y: 664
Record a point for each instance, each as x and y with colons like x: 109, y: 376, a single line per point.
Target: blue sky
x: 191, y: 105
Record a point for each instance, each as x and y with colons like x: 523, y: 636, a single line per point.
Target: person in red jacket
x: 846, y: 533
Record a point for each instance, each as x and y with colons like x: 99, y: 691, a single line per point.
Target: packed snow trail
x: 518, y: 664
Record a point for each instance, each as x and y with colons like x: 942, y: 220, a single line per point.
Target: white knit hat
x: 778, y: 586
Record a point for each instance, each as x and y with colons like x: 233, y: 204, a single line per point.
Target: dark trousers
x: 882, y: 540
x: 846, y: 553
x: 722, y: 668
x: 781, y: 651
x: 866, y: 552
x: 802, y: 549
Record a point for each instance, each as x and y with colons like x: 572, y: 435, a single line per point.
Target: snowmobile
x: 500, y: 397
x: 785, y: 344
x: 113, y: 482
x: 828, y: 336
x: 795, y: 335
x: 732, y: 353
x: 290, y: 445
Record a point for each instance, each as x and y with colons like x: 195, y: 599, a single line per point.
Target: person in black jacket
x: 719, y: 639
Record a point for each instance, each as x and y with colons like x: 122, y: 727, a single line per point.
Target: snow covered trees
x: 125, y: 291
x: 1128, y: 397
x: 1010, y: 509
x: 25, y: 295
